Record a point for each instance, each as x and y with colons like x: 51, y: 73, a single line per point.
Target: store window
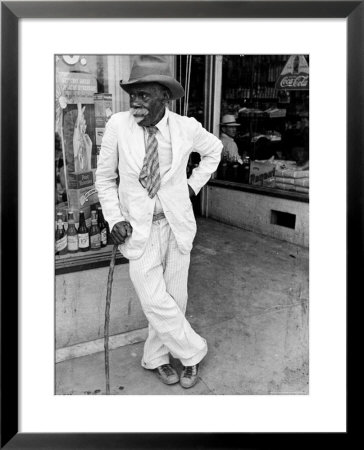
x: 83, y: 104
x: 87, y: 93
x: 264, y: 121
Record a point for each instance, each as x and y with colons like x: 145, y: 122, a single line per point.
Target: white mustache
x: 139, y: 111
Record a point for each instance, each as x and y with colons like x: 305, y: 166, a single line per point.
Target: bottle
x: 83, y: 235
x: 103, y: 227
x: 235, y: 170
x: 61, y: 237
x: 246, y: 169
x: 224, y: 170
x: 95, y: 236
x: 72, y: 238
x: 65, y: 223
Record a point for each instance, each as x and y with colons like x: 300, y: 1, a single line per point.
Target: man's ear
x: 165, y: 97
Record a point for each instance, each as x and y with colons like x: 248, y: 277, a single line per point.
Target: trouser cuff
x: 150, y: 365
x: 196, y: 358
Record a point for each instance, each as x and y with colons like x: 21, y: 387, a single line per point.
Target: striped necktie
x: 150, y: 176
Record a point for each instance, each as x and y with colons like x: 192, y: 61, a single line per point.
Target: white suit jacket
x: 123, y: 151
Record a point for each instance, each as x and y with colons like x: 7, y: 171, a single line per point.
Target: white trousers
x: 160, y: 280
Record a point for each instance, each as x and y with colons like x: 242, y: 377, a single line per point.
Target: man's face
x: 147, y: 103
x: 230, y: 131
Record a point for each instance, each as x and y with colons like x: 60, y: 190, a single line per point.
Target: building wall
x: 253, y: 212
x: 80, y: 305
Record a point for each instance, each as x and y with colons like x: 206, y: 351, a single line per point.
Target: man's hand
x: 191, y: 191
x: 120, y: 232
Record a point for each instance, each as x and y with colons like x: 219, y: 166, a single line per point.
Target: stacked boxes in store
x: 82, y: 193
x: 261, y: 171
x: 289, y: 177
x: 292, y: 179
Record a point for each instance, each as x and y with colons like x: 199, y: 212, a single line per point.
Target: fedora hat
x: 153, y: 69
x: 228, y: 120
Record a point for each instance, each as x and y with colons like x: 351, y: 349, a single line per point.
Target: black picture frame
x: 11, y: 12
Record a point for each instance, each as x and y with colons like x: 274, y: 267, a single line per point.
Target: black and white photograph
x: 181, y: 224
x: 182, y: 221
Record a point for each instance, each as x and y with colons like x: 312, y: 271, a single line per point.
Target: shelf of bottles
x: 71, y: 239
x: 233, y: 171
x: 251, y: 78
x: 254, y: 94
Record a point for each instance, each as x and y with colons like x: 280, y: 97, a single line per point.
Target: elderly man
x: 229, y: 128
x: 150, y: 212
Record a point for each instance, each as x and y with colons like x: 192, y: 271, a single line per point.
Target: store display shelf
x: 260, y: 115
x: 255, y: 99
x: 260, y: 190
x: 93, y: 259
x: 261, y: 99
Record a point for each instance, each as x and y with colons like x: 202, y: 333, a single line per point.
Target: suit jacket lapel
x: 176, y: 142
x: 136, y: 144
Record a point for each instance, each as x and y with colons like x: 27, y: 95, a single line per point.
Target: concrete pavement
x: 248, y: 296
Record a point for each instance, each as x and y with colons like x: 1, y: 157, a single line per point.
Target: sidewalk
x: 248, y: 296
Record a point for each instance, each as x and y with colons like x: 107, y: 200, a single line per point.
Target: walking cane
x: 107, y: 316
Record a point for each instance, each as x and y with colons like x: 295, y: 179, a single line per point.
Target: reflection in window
x: 265, y: 127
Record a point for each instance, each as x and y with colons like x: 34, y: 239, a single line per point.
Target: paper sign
x: 295, y: 75
x: 77, y: 87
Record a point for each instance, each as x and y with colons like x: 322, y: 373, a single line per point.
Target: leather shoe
x: 167, y: 374
x: 189, y: 376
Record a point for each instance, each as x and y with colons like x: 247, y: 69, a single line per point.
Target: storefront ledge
x: 261, y: 190
x: 93, y: 259
x: 96, y: 346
